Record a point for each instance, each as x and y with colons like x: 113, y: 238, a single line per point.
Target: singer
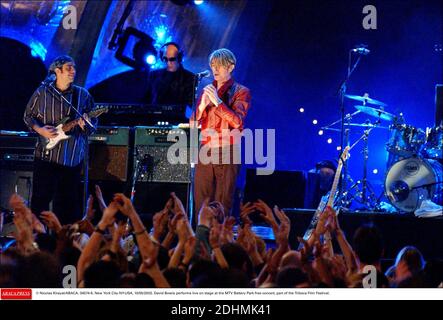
x: 57, y: 171
x: 222, y: 106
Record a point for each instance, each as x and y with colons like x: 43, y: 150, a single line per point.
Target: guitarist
x: 57, y: 171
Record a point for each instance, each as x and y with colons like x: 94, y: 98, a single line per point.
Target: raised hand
x: 109, y: 215
x: 245, y: 211
x: 204, y: 102
x: 305, y: 251
x: 23, y: 224
x: 182, y: 230
x: 206, y: 215
x: 321, y: 224
x: 212, y: 94
x: 177, y: 206
x: 100, y: 199
x: 90, y: 211
x: 124, y: 204
x: 190, y: 245
x: 332, y: 224
x: 214, y: 235
x: 160, y: 222
x: 227, y: 234
x: 266, y: 214
x: 37, y: 226
x: 282, y: 235
x: 219, y: 211
x: 50, y: 219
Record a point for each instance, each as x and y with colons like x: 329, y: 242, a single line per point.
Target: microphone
x: 361, y: 50
x: 50, y: 78
x: 203, y: 74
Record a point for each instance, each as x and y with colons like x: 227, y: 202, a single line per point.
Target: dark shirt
x: 46, y: 108
x: 173, y: 88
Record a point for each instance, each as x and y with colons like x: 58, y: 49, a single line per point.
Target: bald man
x: 172, y: 85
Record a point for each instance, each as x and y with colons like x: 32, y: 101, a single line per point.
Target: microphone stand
x: 59, y: 95
x: 193, y: 149
x: 342, y: 92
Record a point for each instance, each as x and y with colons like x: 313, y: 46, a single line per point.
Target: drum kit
x: 414, y: 166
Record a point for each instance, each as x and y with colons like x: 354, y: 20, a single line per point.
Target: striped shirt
x: 46, y: 108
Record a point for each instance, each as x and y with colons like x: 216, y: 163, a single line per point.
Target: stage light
x: 151, y: 59
x: 375, y: 171
x: 338, y: 148
x: 38, y: 50
x: 302, y: 110
x: 329, y: 140
x: 320, y: 133
x: 187, y: 2
x: 136, y: 49
x: 314, y: 121
x: 161, y: 32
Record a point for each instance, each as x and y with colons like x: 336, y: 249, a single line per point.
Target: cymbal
x: 377, y: 113
x: 365, y: 125
x: 365, y: 99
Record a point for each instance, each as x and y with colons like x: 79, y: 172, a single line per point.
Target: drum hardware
x: 365, y: 125
x: 367, y: 195
x: 365, y: 99
x: 377, y: 113
x: 434, y: 143
x: 405, y: 140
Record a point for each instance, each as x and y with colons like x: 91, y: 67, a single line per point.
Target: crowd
x: 220, y: 252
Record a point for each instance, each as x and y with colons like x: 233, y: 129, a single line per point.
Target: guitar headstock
x: 98, y: 111
x: 345, y: 154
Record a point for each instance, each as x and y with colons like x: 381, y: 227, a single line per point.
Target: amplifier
x: 16, y: 165
x: 109, y: 154
x: 151, y: 151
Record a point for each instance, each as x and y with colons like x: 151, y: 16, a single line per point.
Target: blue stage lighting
x: 150, y: 59
x: 198, y: 2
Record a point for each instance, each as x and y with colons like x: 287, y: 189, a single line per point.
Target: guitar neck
x: 335, y: 185
x: 71, y: 124
x: 337, y: 177
x: 94, y: 113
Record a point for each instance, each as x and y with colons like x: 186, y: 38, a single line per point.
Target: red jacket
x: 230, y: 114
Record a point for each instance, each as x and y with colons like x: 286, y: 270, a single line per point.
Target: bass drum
x: 411, y: 181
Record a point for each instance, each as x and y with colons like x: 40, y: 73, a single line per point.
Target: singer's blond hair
x: 222, y: 56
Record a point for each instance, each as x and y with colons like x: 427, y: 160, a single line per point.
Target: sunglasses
x: 166, y: 59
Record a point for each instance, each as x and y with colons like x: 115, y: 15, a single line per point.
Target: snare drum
x: 434, y: 143
x: 411, y: 181
x: 405, y: 141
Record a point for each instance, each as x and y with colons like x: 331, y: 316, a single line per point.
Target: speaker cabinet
x: 16, y: 165
x: 109, y: 154
x: 151, y: 154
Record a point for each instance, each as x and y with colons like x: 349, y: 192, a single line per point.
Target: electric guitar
x: 326, y: 200
x: 64, y: 126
